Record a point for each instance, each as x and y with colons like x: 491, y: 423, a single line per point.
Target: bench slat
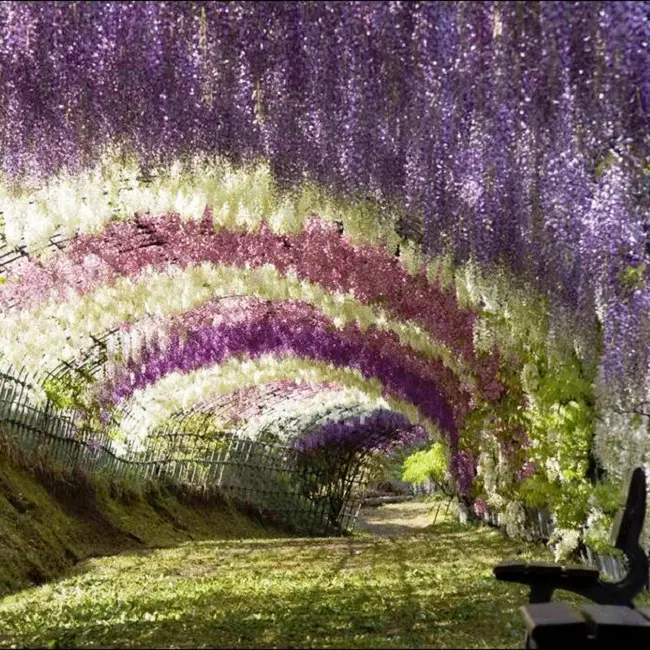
x: 552, y: 622
x: 581, y: 572
x: 619, y: 624
x: 510, y: 570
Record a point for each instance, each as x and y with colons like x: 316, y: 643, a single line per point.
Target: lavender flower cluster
x: 379, y: 430
x: 510, y: 131
x: 299, y: 336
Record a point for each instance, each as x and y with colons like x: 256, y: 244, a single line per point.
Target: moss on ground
x: 50, y: 520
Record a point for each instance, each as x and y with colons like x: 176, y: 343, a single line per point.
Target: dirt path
x: 393, y: 519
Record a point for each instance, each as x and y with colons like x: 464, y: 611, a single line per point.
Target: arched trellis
x: 540, y: 170
x: 148, y: 235
x: 334, y: 487
x: 11, y: 256
x: 295, y: 415
x: 237, y: 373
x: 222, y: 415
x: 93, y: 360
x: 90, y: 365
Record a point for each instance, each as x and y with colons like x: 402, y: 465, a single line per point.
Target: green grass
x: 432, y: 588
x: 429, y: 589
x: 50, y: 519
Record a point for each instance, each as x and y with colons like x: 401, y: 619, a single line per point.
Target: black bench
x: 544, y: 578
x: 556, y: 622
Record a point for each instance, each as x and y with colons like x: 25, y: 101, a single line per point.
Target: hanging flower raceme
x: 378, y: 430
x: 462, y: 467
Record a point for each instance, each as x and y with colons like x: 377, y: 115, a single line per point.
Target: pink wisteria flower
x: 527, y: 470
x: 480, y: 508
x: 319, y: 254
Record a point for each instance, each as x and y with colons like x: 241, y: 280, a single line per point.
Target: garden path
x: 395, y: 519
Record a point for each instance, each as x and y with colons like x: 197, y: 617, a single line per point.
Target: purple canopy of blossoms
x: 510, y: 131
x: 379, y: 430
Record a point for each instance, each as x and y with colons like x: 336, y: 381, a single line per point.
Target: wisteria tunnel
x: 251, y: 247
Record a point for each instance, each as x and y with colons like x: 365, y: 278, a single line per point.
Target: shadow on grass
x: 430, y: 589
x: 332, y: 616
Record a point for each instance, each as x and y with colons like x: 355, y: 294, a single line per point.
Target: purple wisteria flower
x: 527, y: 470
x: 463, y: 469
x: 291, y: 329
x: 379, y: 430
x: 94, y: 443
x: 492, y: 124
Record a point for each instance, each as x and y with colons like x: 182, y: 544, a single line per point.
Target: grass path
x: 399, y: 519
x: 407, y: 584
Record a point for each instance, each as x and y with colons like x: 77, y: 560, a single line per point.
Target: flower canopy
x: 436, y: 213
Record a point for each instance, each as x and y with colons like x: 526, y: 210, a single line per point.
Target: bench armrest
x: 528, y: 573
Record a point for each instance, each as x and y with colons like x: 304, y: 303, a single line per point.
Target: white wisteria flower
x: 564, y: 542
x: 31, y: 335
x: 240, y: 199
x: 178, y: 391
x: 290, y: 417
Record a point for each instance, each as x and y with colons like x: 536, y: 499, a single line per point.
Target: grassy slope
x: 433, y: 588
x: 48, y: 521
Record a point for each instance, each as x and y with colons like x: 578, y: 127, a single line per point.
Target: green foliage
x: 64, y: 391
x: 607, y: 497
x: 548, y: 369
x: 422, y: 466
x: 205, y: 426
x: 607, y: 500
x: 70, y: 391
x: 598, y: 539
x: 537, y: 492
x: 633, y: 277
x: 561, y: 421
x: 388, y: 466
